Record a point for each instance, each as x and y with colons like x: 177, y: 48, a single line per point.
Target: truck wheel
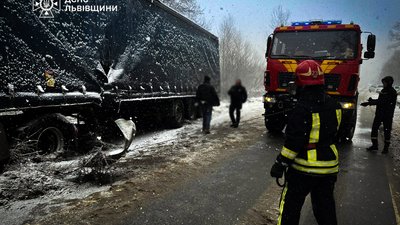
x: 275, y: 124
x: 190, y: 110
x: 4, y: 151
x: 348, y: 130
x: 177, y: 115
x: 50, y: 139
x: 49, y: 133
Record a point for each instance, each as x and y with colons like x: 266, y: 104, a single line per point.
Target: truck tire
x: 275, y: 124
x: 346, y: 132
x: 177, y: 115
x: 49, y: 133
x: 190, y: 110
x: 4, y: 150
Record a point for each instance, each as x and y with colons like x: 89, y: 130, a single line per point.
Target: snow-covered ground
x: 51, y: 181
x: 220, y: 116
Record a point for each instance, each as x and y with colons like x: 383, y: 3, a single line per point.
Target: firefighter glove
x: 277, y: 170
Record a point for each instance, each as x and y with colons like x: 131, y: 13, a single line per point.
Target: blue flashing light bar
x: 308, y: 23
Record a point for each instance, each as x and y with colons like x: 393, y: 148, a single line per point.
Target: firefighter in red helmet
x: 309, y: 156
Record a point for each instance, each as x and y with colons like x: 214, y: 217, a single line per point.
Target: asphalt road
x: 224, y: 193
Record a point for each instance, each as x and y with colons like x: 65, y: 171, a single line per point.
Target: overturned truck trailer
x: 62, y: 78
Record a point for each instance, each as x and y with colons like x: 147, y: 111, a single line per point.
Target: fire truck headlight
x: 268, y: 99
x: 348, y: 105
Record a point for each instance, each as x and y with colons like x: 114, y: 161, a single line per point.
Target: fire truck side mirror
x: 371, y: 42
x: 269, y: 41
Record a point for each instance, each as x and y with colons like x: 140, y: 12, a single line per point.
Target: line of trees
x: 238, y: 59
x: 392, y: 66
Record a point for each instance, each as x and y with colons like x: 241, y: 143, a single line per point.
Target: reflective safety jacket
x: 310, y: 134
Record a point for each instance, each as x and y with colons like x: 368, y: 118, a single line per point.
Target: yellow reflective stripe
x: 334, y: 149
x: 288, y: 153
x: 282, y: 204
x: 314, y: 133
x: 316, y: 170
x: 313, y: 162
x: 312, y: 155
x: 339, y: 117
x: 304, y: 162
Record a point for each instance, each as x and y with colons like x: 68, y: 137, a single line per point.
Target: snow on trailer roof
x: 181, y: 16
x: 144, y: 44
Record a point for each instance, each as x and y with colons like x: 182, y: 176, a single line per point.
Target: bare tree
x: 394, y: 35
x: 189, y: 8
x: 391, y: 67
x: 279, y: 17
x: 238, y: 59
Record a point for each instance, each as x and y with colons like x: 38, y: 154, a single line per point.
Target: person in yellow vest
x: 50, y: 80
x: 309, y: 154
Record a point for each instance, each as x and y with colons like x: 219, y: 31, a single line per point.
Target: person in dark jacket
x: 207, y: 97
x: 385, y: 105
x: 238, y: 95
x: 309, y: 153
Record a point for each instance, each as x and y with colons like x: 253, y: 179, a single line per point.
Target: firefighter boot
x: 374, y: 146
x: 386, y: 148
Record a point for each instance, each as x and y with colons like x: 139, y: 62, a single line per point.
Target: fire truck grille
x: 285, y: 78
x: 332, y: 82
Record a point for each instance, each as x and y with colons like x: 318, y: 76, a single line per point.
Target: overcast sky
x: 252, y: 18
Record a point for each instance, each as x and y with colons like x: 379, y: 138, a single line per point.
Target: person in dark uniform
x: 207, y: 97
x: 385, y: 105
x: 309, y: 154
x: 238, y: 95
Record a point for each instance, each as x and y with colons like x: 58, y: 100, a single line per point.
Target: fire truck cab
x: 336, y: 47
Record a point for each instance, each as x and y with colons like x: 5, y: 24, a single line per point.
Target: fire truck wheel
x: 275, y: 124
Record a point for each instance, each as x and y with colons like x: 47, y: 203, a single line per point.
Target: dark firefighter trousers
x: 298, y: 186
x: 387, y: 127
x: 232, y: 109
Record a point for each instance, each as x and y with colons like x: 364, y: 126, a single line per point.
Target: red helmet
x: 309, y: 73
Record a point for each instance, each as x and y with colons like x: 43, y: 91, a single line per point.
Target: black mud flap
x: 4, y: 147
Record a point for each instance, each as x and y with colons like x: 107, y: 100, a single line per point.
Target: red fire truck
x: 338, y: 49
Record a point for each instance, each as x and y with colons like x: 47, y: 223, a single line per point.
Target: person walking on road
x: 207, y: 97
x: 309, y: 156
x: 238, y: 95
x: 385, y: 106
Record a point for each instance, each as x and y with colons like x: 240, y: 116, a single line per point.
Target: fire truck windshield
x: 339, y: 44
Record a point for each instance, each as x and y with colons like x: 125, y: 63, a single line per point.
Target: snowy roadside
x: 37, y: 187
x: 220, y: 116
